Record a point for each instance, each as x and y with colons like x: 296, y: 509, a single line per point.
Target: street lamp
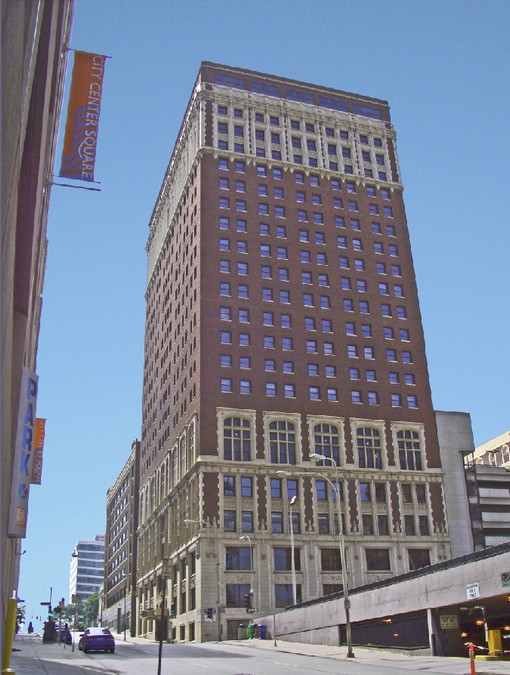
x: 345, y: 582
x: 247, y: 538
x: 291, y: 530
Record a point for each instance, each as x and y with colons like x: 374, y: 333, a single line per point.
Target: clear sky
x: 443, y: 65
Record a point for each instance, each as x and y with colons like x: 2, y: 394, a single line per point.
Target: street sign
x: 449, y: 621
x: 166, y: 568
x: 473, y: 591
x: 505, y: 578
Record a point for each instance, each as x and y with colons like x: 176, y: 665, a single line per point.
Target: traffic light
x: 172, y: 609
x: 247, y: 601
x: 209, y: 612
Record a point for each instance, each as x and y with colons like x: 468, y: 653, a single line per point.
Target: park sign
x: 23, y: 455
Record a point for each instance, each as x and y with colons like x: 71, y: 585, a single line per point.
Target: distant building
x: 35, y: 38
x: 284, y: 367
x: 87, y: 568
x: 488, y: 481
x: 118, y: 600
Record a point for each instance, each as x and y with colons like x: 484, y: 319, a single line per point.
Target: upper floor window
x: 409, y: 450
x: 368, y: 441
x: 282, y: 442
x: 327, y: 442
x: 237, y: 439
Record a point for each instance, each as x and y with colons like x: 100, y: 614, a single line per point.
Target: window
x: 229, y: 520
x: 246, y: 521
x: 236, y: 439
x: 368, y: 441
x: 281, y: 253
x: 367, y: 524
x: 352, y: 351
x: 401, y: 312
x: 276, y: 522
x: 238, y: 558
x: 224, y: 244
x: 270, y: 388
x: 282, y: 442
x: 283, y: 559
x: 330, y: 560
x: 244, y: 362
x: 305, y: 257
x: 242, y: 268
x: 289, y: 390
x: 269, y: 342
x: 409, y: 449
x: 423, y: 524
x: 244, y: 315
x: 242, y: 291
x: 378, y: 559
x: 314, y: 393
x: 279, y: 211
x: 326, y: 439
x: 407, y: 357
x: 368, y: 352
x: 246, y: 486
x: 240, y: 186
x: 241, y: 225
x: 226, y: 360
x: 265, y: 250
x: 226, y: 337
x: 323, y: 280
x: 267, y: 294
x: 356, y: 396
x: 225, y: 266
x: 244, y: 339
x: 308, y: 300
x: 235, y: 594
x: 418, y: 557
x: 224, y: 203
x: 224, y: 224
x: 396, y: 400
x: 382, y: 525
x: 284, y: 595
x: 364, y: 492
x: 265, y: 272
x: 327, y: 325
x: 407, y: 493
x: 323, y: 523
x: 388, y: 333
x: 372, y: 398
x: 412, y: 401
x: 281, y: 232
x: 270, y: 365
x: 245, y: 387
x: 409, y: 525
x: 348, y: 305
x: 283, y: 274
x: 229, y: 486
x: 226, y: 385
x: 225, y: 313
x: 268, y: 318
x: 370, y: 375
x: 391, y: 355
x: 225, y: 288
x: 322, y: 259
x: 263, y: 209
x: 287, y: 344
x: 404, y: 334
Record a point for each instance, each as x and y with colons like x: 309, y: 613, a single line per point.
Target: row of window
x: 316, y: 393
x: 283, y: 296
x: 313, y: 369
x: 301, y: 197
x: 238, y: 440
x: 300, y: 178
x: 279, y: 211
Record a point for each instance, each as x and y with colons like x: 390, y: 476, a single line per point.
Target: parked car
x: 63, y: 635
x: 97, y: 639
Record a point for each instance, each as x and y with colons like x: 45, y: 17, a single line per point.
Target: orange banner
x: 82, y: 124
x: 39, y: 430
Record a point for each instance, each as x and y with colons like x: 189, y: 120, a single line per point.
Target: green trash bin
x: 251, y: 631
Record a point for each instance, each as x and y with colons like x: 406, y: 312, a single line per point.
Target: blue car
x: 97, y: 639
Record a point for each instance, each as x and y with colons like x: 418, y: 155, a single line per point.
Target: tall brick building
x: 282, y: 320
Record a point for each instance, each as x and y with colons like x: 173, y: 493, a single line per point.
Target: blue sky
x: 443, y: 67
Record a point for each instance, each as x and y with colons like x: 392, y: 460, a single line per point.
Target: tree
x: 20, y: 616
x: 91, y: 609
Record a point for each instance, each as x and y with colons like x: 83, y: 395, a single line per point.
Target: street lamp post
x: 291, y: 530
x: 345, y: 582
x: 293, y: 561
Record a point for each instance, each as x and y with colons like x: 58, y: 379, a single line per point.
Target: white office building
x: 87, y: 567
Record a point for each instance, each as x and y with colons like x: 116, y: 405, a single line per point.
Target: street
x: 31, y: 657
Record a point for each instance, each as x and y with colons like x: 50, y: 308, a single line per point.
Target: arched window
x: 236, y: 439
x: 326, y: 441
x: 368, y: 441
x: 282, y: 442
x: 409, y: 450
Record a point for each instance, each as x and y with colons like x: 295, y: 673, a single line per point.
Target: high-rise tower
x: 282, y: 321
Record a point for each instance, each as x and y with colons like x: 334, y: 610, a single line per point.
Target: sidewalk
x: 395, y: 659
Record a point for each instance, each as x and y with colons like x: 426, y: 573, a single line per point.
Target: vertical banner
x: 40, y: 426
x: 82, y: 124
x: 23, y: 456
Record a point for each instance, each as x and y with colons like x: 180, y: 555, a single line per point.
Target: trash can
x: 251, y: 631
x: 262, y: 631
x: 242, y: 632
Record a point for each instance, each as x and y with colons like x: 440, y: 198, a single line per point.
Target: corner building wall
x: 282, y: 320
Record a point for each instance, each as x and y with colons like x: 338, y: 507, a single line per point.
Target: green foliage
x: 91, y: 609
